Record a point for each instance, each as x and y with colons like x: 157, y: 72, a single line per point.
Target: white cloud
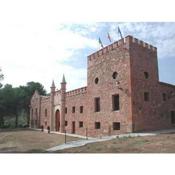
x: 160, y: 35
x: 34, y: 47
x: 37, y: 53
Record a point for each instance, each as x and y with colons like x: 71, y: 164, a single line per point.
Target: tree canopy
x: 15, y: 100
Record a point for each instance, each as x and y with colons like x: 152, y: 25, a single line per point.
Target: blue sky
x: 32, y: 52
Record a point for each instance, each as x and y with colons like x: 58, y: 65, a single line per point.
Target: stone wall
x: 127, y: 68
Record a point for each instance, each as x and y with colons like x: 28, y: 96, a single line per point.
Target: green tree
x: 15, y: 100
x: 6, y: 102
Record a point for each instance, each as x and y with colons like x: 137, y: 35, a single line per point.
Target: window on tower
x: 114, y: 75
x: 97, y: 104
x: 115, y: 102
x: 96, y: 80
x: 164, y: 97
x: 146, y: 96
x: 97, y: 125
x: 116, y: 126
x: 146, y: 75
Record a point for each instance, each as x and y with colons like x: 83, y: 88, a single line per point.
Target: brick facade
x: 123, y: 94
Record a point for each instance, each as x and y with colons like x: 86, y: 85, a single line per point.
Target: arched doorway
x: 57, y: 120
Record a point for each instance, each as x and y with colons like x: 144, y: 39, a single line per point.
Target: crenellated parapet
x: 124, y: 43
x: 76, y: 92
x: 144, y: 44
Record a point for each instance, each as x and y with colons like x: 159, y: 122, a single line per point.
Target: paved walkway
x: 84, y: 141
x: 79, y: 143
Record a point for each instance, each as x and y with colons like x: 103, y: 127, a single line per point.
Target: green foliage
x: 15, y: 101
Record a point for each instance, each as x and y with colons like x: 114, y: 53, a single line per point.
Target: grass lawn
x: 26, y: 140
x: 164, y: 143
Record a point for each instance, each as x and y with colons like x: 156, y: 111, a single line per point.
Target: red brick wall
x: 114, y: 58
x: 76, y: 99
x: 130, y: 58
x: 146, y: 114
x: 45, y: 105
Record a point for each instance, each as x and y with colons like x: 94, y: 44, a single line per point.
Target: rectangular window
x: 164, y: 96
x: 45, y: 112
x: 146, y: 96
x: 66, y: 123
x: 80, y: 124
x: 97, y: 104
x: 115, y: 102
x: 97, y: 125
x: 73, y: 109
x: 116, y: 126
x: 36, y: 112
x: 81, y: 109
x: 173, y: 117
x: 65, y: 110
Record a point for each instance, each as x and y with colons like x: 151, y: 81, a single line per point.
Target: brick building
x: 123, y: 94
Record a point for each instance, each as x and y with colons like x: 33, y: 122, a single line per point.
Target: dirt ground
x: 164, y: 143
x: 16, y: 141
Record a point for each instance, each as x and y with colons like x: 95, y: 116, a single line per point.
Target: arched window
x: 114, y: 75
x: 96, y: 80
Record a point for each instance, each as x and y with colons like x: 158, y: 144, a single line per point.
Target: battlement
x: 144, y: 44
x: 76, y: 92
x: 122, y: 43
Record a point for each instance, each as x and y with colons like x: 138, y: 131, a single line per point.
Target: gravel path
x: 82, y: 142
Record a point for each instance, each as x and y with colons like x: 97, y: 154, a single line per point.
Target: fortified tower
x: 109, y: 88
x: 120, y: 77
x: 144, y: 84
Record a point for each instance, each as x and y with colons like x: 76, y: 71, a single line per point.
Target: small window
x: 146, y: 75
x: 66, y: 110
x: 96, y: 80
x: 114, y: 75
x: 81, y: 109
x: 97, y: 104
x: 66, y: 123
x: 97, y: 125
x: 45, y: 112
x: 45, y: 123
x: 164, y: 97
x: 116, y: 126
x: 36, y: 112
x: 173, y: 117
x: 73, y: 109
x: 146, y: 96
x: 80, y: 124
x: 115, y: 102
